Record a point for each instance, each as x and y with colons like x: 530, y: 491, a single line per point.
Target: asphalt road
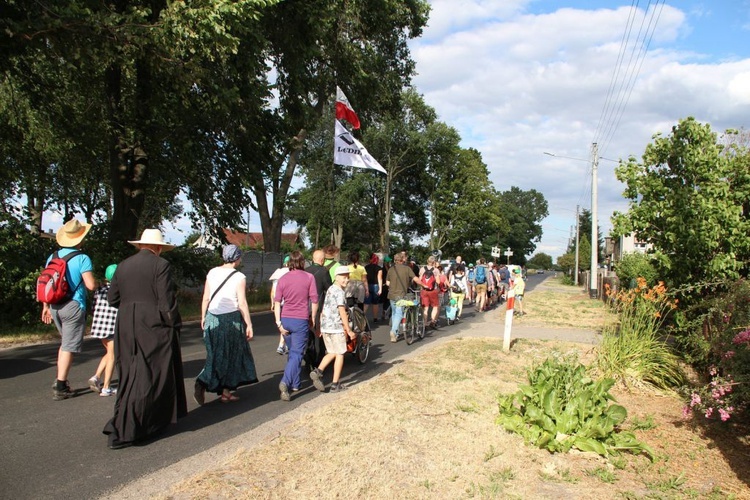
x: 55, y: 449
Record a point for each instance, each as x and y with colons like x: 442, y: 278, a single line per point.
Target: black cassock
x: 151, y: 390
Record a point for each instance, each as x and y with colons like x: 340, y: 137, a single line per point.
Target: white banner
x: 349, y: 152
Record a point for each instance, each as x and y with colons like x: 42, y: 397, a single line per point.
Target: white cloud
x: 517, y: 84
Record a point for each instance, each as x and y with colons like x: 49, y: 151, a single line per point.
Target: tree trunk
x: 338, y: 235
x: 272, y: 223
x: 385, y: 239
x: 35, y: 197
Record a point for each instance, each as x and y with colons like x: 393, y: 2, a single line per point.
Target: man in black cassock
x: 151, y: 390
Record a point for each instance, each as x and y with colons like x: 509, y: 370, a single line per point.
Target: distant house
x: 616, y: 248
x: 245, y: 240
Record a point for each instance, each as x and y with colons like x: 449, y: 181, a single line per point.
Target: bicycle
x: 412, y: 324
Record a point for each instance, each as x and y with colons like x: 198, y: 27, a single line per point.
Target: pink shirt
x: 297, y: 289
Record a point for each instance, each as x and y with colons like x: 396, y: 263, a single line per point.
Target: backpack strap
x: 67, y: 272
x: 219, y: 288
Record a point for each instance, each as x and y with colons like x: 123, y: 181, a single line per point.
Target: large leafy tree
x: 465, y: 207
x: 313, y: 45
x: 689, y: 199
x: 524, y: 211
x: 140, y: 65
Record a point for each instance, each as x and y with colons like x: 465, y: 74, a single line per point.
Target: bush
x: 562, y: 407
x: 635, y: 265
x: 716, y: 340
x: 633, y: 349
x: 22, y: 257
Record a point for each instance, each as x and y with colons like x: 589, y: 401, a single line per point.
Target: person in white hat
x: 151, y: 391
x: 334, y: 326
x: 69, y: 315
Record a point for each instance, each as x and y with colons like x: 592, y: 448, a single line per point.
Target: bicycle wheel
x: 410, y: 330
x: 363, y: 347
x: 420, y: 325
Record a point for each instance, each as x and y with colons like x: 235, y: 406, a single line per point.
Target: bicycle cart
x: 360, y: 345
x: 451, y: 309
x: 412, y: 324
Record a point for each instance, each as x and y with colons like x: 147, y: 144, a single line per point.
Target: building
x: 243, y: 240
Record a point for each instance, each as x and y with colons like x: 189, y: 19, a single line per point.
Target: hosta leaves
x: 562, y: 407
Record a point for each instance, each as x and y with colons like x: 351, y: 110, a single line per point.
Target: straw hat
x: 152, y: 237
x: 72, y: 233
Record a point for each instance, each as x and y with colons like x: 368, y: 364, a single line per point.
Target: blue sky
x: 520, y: 77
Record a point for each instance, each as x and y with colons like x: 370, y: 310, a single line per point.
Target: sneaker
x: 108, y: 391
x: 337, y: 387
x: 317, y: 379
x: 199, y: 394
x: 280, y: 350
x: 393, y: 337
x: 284, y: 392
x: 95, y: 384
x: 286, y: 349
x: 60, y: 394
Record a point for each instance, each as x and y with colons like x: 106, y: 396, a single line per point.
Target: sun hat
x: 387, y: 258
x: 286, y: 260
x: 517, y: 271
x: 110, y: 271
x: 471, y: 265
x: 342, y: 270
x: 231, y: 253
x: 152, y: 237
x: 72, y: 233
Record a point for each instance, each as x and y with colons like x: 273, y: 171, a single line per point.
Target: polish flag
x: 344, y: 109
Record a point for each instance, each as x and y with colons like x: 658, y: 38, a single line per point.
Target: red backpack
x: 52, y: 285
x: 428, y: 279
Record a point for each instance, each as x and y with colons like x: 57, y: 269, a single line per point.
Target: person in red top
x: 300, y: 295
x: 430, y: 273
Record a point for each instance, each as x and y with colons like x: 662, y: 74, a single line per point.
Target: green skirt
x: 229, y: 361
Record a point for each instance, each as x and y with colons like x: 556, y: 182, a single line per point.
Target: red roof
x: 255, y: 240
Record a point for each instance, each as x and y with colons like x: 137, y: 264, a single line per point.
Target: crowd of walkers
x: 136, y: 318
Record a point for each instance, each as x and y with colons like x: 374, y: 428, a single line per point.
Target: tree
x: 540, y: 261
x: 464, y: 205
x: 689, y: 199
x: 524, y: 211
x: 361, y: 45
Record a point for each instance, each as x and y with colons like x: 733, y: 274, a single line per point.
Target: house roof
x: 255, y: 240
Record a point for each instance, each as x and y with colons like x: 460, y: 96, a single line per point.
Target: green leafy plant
x: 562, y: 407
x: 633, y: 349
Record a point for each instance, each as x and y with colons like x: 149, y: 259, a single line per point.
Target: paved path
x: 55, y: 449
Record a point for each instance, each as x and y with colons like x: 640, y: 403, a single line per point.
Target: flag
x: 349, y: 152
x: 344, y: 109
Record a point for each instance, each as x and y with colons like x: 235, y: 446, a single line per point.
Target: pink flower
x: 695, y: 399
x: 724, y: 415
x: 742, y: 337
x: 709, y: 412
x: 728, y: 354
x: 713, y: 371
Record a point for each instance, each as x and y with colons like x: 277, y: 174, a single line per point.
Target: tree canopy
x: 689, y: 199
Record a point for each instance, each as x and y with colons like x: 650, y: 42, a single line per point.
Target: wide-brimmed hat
x: 342, y: 270
x: 152, y: 237
x: 72, y: 233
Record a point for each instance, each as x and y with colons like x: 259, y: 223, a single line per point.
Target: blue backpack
x: 481, y: 276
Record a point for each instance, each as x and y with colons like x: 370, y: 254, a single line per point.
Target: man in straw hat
x: 151, y: 392
x: 69, y: 316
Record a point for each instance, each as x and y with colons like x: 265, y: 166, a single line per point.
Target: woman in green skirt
x: 225, y: 320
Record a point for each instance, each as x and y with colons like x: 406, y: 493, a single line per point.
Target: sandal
x: 230, y: 397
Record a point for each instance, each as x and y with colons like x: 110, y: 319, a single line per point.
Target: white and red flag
x: 350, y: 152
x: 344, y: 110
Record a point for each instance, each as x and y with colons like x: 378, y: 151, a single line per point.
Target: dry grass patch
x: 554, y: 305
x: 425, y: 429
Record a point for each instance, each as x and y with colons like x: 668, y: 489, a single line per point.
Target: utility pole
x: 578, y: 228
x: 593, y: 292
